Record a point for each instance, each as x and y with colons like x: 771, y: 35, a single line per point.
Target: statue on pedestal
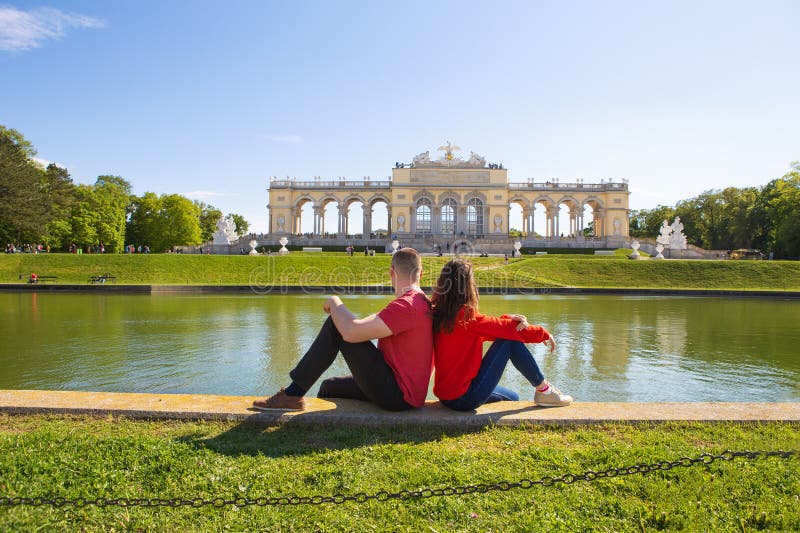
x: 226, y: 231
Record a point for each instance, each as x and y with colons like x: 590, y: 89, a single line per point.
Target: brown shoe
x: 281, y: 401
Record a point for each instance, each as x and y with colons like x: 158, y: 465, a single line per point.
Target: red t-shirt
x: 409, y: 350
x: 459, y: 353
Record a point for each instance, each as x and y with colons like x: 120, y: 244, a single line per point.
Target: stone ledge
x: 355, y: 413
x: 382, y: 290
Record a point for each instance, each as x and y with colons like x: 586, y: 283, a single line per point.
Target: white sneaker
x: 552, y: 397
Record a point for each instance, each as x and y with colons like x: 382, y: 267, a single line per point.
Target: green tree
x: 241, y: 224
x: 182, y: 222
x: 23, y: 210
x: 99, y: 213
x: 59, y: 193
x: 783, y: 211
x: 18, y: 139
x: 163, y: 222
x: 209, y: 216
x: 647, y: 222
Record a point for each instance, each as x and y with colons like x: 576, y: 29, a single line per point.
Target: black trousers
x: 372, y: 379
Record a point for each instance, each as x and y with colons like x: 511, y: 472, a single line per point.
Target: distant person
x: 395, y: 374
x: 465, y: 378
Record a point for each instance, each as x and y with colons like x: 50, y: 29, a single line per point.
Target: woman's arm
x: 493, y: 327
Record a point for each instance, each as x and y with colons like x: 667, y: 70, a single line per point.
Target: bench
x: 312, y: 249
x: 102, y: 278
x: 604, y: 252
x: 39, y: 279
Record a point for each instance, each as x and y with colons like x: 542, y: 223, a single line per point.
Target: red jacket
x: 458, y: 354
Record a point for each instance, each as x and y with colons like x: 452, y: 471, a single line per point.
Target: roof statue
x: 448, y: 160
x: 448, y: 150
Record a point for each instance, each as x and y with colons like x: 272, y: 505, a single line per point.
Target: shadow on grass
x: 308, y: 433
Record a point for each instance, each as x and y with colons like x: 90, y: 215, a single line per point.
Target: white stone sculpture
x: 498, y: 224
x: 226, y: 231
x: 284, y: 241
x: 401, y: 223
x: 422, y: 159
x: 253, y: 243
x: 281, y: 224
x: 476, y: 161
x: 517, y: 246
x: 635, y: 247
x: 395, y: 246
x: 659, y: 249
x: 665, y: 233
x: 677, y: 240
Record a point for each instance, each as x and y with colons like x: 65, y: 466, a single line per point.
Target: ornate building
x: 430, y: 201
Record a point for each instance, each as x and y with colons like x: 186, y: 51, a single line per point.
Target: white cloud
x: 25, y: 30
x: 289, y: 138
x: 41, y: 162
x: 205, y: 195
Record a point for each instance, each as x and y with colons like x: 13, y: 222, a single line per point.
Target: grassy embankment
x: 337, y: 269
x: 91, y: 458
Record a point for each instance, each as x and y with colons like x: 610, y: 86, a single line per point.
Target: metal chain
x: 361, y: 497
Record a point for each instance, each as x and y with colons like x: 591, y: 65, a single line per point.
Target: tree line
x: 766, y: 218
x: 43, y: 205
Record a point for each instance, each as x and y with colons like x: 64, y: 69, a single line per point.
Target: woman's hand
x: 550, y: 342
x: 522, y: 319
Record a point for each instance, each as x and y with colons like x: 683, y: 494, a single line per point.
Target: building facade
x: 450, y: 198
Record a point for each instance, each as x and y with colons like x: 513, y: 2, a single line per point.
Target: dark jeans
x: 372, y: 379
x: 484, y: 389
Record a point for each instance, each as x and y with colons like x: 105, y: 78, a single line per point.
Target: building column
x: 389, y: 221
x: 367, y: 222
x: 319, y: 221
x: 342, y: 231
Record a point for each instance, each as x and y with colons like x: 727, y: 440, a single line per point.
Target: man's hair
x: 407, y: 262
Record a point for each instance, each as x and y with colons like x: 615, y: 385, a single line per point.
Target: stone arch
x: 372, y: 225
x: 378, y: 198
x: 301, y: 200
x: 475, y: 214
x: 568, y: 222
x: 570, y: 201
x: 324, y: 200
x: 352, y: 198
x: 520, y: 201
x: 423, y: 215
x: 475, y: 194
x: 424, y: 194
x: 548, y: 202
x: 297, y: 213
x: 449, y: 194
x: 597, y: 206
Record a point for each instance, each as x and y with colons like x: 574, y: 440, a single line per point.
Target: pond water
x: 610, y: 348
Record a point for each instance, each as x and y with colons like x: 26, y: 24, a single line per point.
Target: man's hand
x: 551, y: 342
x: 330, y: 303
x: 522, y: 319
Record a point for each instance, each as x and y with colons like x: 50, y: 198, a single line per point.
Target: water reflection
x: 610, y: 348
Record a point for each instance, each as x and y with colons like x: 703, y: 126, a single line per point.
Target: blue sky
x: 210, y: 99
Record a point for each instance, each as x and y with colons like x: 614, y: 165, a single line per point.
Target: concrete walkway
x: 351, y: 412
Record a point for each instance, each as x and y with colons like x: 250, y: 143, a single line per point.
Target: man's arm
x: 355, y: 329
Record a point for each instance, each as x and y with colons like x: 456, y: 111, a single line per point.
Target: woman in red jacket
x: 465, y: 379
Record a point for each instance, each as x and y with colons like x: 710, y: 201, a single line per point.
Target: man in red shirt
x: 395, y: 374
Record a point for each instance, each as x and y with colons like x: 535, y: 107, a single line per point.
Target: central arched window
x: 449, y: 216
x: 423, y: 219
x: 474, y: 217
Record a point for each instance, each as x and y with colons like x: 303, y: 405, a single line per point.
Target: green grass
x: 75, y: 457
x: 340, y: 270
